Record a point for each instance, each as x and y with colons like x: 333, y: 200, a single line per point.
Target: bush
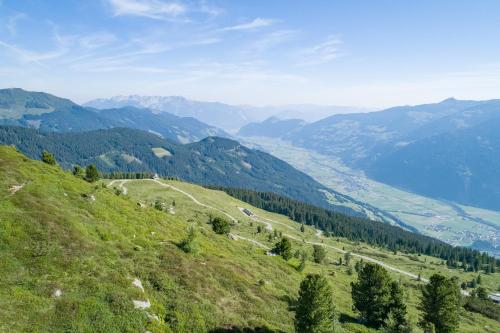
x: 220, y: 226
x: 189, y: 244
x: 319, y: 254
x: 48, y: 158
x: 283, y: 248
x: 483, y: 306
x: 78, y: 171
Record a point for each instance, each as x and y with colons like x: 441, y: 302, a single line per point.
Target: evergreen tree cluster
x: 359, y: 229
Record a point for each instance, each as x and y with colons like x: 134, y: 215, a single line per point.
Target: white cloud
x: 97, y: 40
x: 33, y: 56
x: 321, y: 53
x: 274, y: 38
x: 255, y: 24
x: 154, y: 9
x: 12, y: 22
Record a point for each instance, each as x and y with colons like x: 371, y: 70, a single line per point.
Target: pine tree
x: 440, y: 304
x: 91, y: 173
x: 319, y: 254
x: 302, y: 228
x: 48, y: 158
x: 283, y: 248
x: 371, y: 294
x: 315, y: 312
x: 396, y: 321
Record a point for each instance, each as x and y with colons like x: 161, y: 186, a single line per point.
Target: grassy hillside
x: 212, y: 161
x: 70, y: 252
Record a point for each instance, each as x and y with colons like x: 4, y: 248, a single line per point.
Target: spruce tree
x: 371, y: 294
x: 440, y: 304
x: 91, y: 173
x: 397, y: 321
x: 315, y: 312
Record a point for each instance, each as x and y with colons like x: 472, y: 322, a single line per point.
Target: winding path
x: 267, y: 221
x: 269, y: 226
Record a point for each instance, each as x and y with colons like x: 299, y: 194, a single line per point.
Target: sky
x: 370, y: 53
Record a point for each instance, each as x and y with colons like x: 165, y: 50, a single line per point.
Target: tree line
x: 363, y: 230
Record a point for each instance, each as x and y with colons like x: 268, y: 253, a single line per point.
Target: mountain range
x: 228, y: 117
x: 50, y: 113
x: 271, y: 127
x: 446, y: 150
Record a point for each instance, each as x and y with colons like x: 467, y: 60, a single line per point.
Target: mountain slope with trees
x: 81, y: 257
x: 50, y: 113
x: 212, y: 161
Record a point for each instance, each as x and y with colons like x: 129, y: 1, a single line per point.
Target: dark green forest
x: 212, y: 161
x: 359, y: 229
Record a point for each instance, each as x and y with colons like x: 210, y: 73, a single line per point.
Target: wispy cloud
x: 97, y: 40
x: 154, y: 9
x: 12, y: 22
x: 255, y: 24
x: 321, y: 53
x: 32, y: 56
x: 274, y: 38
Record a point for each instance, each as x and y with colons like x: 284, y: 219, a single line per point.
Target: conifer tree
x: 440, y: 304
x: 283, y: 248
x: 91, y: 173
x: 315, y: 312
x: 371, y: 294
x: 319, y: 254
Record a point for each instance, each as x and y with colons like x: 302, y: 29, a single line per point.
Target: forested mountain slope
x: 80, y: 257
x: 212, y: 161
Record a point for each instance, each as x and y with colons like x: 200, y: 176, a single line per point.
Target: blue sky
x: 370, y: 53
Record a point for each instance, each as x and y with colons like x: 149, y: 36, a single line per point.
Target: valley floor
x: 453, y: 223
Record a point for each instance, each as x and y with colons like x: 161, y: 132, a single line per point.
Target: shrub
x: 319, y: 254
x: 283, y: 248
x: 48, y: 158
x: 220, y: 226
x: 189, y: 244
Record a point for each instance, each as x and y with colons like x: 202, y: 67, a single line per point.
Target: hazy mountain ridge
x: 216, y: 114
x: 62, y: 115
x: 380, y: 144
x: 225, y: 116
x: 271, y: 127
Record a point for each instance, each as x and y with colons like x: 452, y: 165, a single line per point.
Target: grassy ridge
x: 69, y: 252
